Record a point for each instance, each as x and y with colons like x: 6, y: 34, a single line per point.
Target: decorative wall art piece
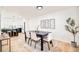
x: 48, y: 24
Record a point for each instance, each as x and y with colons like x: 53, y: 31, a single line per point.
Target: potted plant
x: 72, y: 28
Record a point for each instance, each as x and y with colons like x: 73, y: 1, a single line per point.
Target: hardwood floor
x: 17, y: 45
x: 63, y: 47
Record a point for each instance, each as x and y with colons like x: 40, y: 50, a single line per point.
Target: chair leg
x: 0, y: 46
x: 7, y: 42
x: 28, y: 40
x: 52, y: 43
x: 31, y: 43
x: 35, y: 44
x: 48, y: 46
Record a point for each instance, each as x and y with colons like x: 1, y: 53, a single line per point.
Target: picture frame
x: 47, y: 23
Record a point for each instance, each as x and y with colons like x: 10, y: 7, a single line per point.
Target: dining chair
x: 34, y: 38
x: 5, y: 35
x: 48, y: 40
x: 10, y: 33
x: 28, y: 36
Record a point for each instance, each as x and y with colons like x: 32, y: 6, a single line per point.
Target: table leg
x: 41, y: 43
x: 0, y: 46
x: 9, y: 45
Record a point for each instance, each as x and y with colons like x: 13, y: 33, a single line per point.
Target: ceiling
x: 31, y: 11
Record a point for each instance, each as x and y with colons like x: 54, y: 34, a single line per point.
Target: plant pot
x: 74, y: 44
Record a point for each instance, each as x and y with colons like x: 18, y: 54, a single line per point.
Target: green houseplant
x: 72, y: 28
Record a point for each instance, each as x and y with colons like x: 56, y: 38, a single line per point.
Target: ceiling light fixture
x: 39, y: 7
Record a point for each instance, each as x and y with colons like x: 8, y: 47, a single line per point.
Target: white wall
x: 59, y: 33
x: 0, y: 23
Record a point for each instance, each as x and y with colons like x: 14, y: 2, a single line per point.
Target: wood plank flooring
x: 17, y: 45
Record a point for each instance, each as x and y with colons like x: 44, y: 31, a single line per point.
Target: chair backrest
x: 27, y: 34
x: 50, y: 36
x: 5, y: 35
x: 33, y: 35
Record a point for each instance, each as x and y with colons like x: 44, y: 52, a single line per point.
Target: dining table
x: 41, y: 34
